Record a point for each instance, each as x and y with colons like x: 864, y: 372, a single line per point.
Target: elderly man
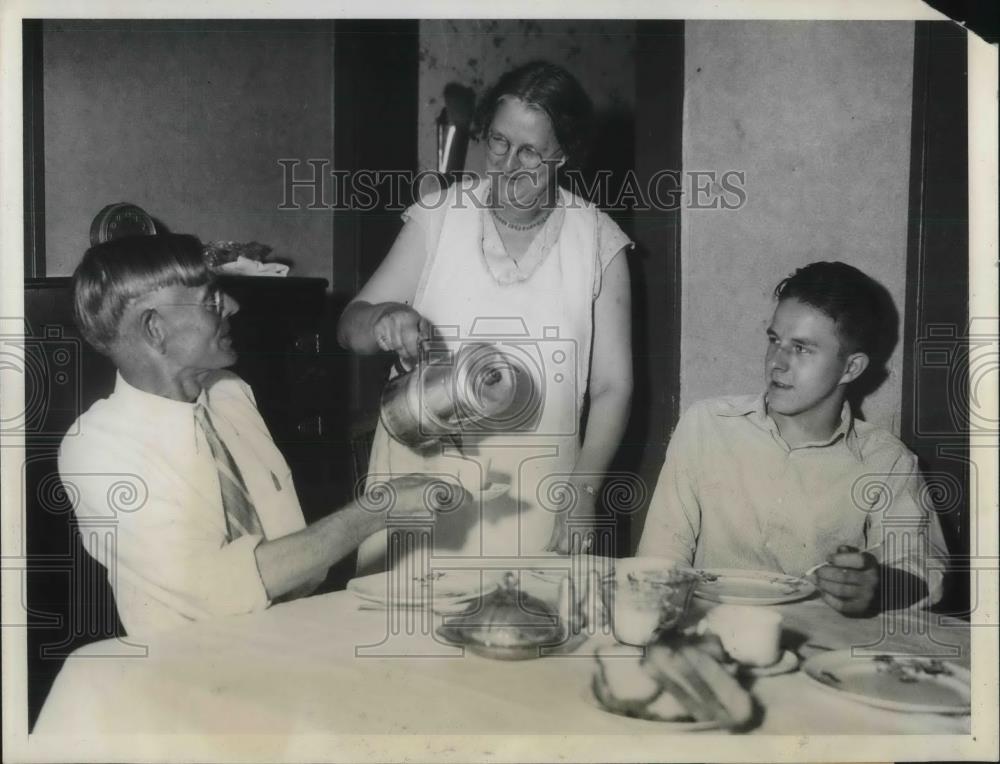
x: 218, y: 529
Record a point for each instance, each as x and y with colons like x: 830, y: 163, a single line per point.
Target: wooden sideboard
x: 300, y: 378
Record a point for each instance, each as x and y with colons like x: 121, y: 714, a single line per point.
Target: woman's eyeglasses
x: 527, y: 156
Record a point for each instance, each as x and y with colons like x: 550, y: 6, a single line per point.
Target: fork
x: 823, y: 564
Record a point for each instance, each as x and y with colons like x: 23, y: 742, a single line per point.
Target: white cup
x: 751, y: 635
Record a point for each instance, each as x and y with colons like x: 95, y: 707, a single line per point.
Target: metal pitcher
x: 478, y: 388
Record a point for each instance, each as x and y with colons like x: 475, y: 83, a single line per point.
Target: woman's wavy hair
x: 553, y: 90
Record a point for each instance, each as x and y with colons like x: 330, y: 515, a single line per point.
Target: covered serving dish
x: 507, y: 624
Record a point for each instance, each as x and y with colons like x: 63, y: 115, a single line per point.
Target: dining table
x: 340, y: 664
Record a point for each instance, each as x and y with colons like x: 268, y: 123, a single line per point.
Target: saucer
x: 788, y: 662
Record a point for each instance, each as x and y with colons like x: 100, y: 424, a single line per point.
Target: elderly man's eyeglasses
x: 214, y: 302
x: 527, y: 156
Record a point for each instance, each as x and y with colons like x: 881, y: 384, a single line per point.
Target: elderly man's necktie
x: 241, y: 517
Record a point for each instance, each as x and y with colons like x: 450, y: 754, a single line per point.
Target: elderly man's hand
x: 850, y: 582
x: 416, y: 495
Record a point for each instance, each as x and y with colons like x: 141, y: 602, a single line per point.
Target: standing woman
x: 513, y: 246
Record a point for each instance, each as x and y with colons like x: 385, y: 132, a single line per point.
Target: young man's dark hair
x: 851, y: 298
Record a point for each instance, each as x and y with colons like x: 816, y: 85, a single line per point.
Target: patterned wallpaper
x: 475, y: 52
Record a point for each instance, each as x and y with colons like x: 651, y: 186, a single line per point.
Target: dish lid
x: 508, y: 623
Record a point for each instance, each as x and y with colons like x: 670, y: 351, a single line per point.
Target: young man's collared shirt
x: 140, y: 471
x: 733, y: 494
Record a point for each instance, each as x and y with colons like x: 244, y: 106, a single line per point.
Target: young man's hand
x: 850, y: 583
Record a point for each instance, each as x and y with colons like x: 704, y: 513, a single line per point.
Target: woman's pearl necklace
x: 519, y: 226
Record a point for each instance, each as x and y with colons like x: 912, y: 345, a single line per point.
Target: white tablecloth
x: 324, y: 665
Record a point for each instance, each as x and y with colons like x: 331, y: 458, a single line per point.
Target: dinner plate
x: 910, y: 684
x: 439, y: 588
x: 582, y: 563
x: 547, y: 575
x: 650, y: 726
x: 751, y: 587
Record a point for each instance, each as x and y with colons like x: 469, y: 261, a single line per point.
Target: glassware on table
x: 650, y: 596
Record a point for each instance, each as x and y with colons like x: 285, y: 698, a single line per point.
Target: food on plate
x: 434, y: 575
x: 712, y: 644
x: 622, y: 685
x: 909, y: 670
x: 713, y: 686
x: 666, y: 707
x: 676, y: 681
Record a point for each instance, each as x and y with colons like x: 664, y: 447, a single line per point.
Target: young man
x: 214, y: 526
x: 789, y: 478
